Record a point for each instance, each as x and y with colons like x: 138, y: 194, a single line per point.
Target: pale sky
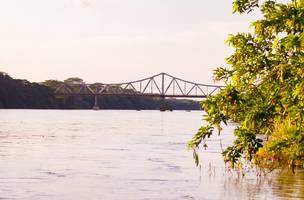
x: 116, y: 40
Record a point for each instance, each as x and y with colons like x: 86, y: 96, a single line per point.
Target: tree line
x: 22, y: 94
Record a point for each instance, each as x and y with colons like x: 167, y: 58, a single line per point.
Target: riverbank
x: 23, y: 94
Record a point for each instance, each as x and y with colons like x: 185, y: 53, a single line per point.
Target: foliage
x: 52, y: 83
x: 264, y: 90
x: 15, y: 93
x: 73, y: 80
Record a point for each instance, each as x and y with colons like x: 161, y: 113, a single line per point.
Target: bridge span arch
x: 160, y: 85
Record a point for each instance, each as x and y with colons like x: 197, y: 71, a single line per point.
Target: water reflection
x: 288, y: 185
x: 279, y: 185
x: 121, y: 155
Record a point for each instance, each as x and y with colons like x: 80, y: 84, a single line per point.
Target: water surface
x: 129, y: 155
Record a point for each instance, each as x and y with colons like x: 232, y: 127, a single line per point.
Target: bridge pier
x: 164, y: 106
x: 96, y: 106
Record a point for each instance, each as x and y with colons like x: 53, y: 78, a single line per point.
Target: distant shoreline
x: 22, y: 94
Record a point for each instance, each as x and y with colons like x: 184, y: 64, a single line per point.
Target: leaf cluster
x: 264, y: 90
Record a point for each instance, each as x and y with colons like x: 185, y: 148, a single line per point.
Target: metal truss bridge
x: 160, y: 85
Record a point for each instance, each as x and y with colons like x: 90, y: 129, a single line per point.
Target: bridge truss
x: 160, y: 85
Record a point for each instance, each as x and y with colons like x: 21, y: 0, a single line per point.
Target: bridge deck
x: 160, y: 85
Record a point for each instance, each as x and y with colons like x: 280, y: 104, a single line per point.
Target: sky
x: 113, y: 41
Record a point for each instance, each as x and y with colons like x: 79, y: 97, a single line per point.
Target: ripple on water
x: 110, y: 155
x: 115, y: 149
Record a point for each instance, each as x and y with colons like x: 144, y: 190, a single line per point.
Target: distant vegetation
x: 22, y: 94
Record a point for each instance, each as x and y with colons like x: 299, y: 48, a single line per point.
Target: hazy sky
x: 115, y: 40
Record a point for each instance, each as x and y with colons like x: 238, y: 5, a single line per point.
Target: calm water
x: 125, y: 155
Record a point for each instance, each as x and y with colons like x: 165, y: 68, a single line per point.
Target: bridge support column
x: 96, y: 106
x: 138, y: 106
x: 164, y: 106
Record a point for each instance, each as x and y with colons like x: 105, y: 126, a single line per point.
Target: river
x: 121, y: 155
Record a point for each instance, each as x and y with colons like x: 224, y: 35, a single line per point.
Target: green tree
x: 73, y: 80
x: 52, y: 83
x: 264, y: 90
